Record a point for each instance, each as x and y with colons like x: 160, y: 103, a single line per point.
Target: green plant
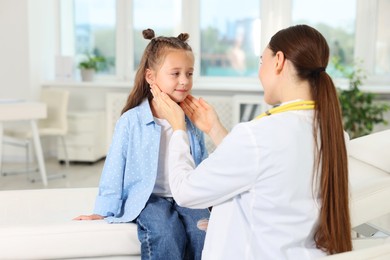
x: 360, y: 112
x: 92, y: 62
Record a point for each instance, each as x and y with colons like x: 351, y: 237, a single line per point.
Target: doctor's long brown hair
x: 308, y: 51
x: 152, y: 58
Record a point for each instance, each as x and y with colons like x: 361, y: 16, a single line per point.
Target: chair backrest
x: 57, y: 107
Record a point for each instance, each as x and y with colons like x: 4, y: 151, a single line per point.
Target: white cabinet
x: 86, y: 138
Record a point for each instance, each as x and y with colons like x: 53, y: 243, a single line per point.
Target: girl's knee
x: 202, y: 224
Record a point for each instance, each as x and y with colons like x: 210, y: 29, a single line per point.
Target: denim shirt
x: 130, y: 170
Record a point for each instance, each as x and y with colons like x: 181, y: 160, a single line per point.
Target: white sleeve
x: 230, y: 170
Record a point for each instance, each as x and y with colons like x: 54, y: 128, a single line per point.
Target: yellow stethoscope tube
x: 298, y: 105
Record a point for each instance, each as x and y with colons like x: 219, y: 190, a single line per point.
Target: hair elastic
x: 319, y: 70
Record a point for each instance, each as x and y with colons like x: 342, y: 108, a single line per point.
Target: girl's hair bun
x: 148, y: 34
x: 183, y: 36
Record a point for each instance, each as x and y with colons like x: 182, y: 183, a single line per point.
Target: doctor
x: 279, y: 183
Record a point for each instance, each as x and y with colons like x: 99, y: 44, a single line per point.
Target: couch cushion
x: 373, y: 149
x: 369, y: 176
x: 370, y: 189
x: 380, y: 252
x: 37, y: 224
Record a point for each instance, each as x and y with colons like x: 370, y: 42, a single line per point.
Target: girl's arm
x: 109, y: 200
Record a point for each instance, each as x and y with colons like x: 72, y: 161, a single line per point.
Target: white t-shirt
x: 260, y: 182
x: 161, y: 187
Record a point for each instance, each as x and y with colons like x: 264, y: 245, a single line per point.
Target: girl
x: 278, y: 184
x: 134, y: 184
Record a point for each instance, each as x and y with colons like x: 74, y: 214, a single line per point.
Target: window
x: 338, y: 29
x: 230, y: 39
x: 227, y: 36
x: 95, y: 31
x: 163, y: 16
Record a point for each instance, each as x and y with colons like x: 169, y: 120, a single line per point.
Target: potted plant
x: 89, y: 66
x: 360, y: 112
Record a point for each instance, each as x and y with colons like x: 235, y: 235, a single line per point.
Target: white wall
x: 27, y: 46
x: 27, y: 51
x: 14, y: 49
x: 43, y: 27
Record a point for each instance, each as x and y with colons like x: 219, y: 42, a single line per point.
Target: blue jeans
x: 168, y: 232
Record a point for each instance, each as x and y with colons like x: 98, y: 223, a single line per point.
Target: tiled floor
x: 78, y: 175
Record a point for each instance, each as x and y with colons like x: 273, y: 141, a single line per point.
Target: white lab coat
x: 260, y: 182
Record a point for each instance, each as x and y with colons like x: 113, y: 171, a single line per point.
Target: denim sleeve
x: 197, y: 143
x: 110, y: 198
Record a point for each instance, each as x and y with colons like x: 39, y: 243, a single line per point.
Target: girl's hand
x: 168, y: 108
x: 89, y: 217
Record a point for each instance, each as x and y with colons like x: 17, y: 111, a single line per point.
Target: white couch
x: 37, y: 224
x: 369, y: 176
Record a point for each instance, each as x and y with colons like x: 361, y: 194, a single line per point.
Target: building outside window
x: 230, y: 40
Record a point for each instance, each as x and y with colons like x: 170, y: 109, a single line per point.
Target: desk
x: 18, y: 110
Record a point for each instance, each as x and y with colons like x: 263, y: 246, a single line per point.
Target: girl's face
x: 174, y: 76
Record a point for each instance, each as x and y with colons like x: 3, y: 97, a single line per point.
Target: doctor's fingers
x: 191, y: 101
x: 159, y: 97
x: 191, y: 104
x: 155, y: 91
x: 186, y: 108
x: 191, y: 111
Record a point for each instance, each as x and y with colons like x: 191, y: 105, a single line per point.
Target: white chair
x: 55, y: 124
x: 24, y: 143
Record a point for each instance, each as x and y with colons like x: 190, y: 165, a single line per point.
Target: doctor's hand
x: 200, y: 113
x: 204, y: 117
x: 168, y: 108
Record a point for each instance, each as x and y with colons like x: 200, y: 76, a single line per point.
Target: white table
x: 18, y: 110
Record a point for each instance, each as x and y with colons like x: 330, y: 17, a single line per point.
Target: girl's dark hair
x: 153, y: 56
x: 308, y: 51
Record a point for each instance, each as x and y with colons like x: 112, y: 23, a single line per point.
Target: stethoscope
x: 297, y: 105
